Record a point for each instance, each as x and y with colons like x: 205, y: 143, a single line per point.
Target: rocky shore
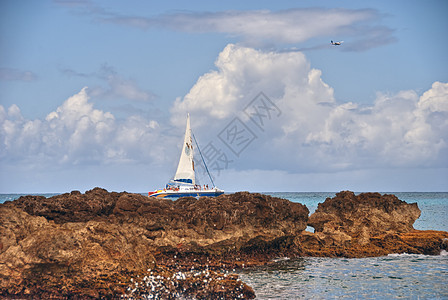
x: 119, y: 245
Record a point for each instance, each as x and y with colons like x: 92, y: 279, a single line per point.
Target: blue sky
x: 95, y: 93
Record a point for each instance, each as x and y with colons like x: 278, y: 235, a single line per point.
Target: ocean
x: 396, y: 276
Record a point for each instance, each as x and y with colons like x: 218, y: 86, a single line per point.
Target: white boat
x: 184, y: 182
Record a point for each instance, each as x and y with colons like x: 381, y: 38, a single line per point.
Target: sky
x: 96, y: 93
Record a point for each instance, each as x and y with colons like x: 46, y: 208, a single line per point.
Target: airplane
x: 336, y: 43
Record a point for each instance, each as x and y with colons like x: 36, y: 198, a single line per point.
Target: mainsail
x: 185, y: 169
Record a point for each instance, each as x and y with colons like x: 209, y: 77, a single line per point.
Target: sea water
x: 396, y: 276
x: 433, y: 206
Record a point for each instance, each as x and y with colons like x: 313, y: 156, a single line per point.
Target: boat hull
x: 192, y: 193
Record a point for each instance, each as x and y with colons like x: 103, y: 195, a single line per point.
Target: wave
x: 410, y: 255
x: 280, y: 259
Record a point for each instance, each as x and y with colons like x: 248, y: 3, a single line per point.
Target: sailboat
x: 184, y: 182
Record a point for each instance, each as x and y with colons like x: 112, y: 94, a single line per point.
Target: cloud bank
x: 77, y: 134
x: 307, y: 130
x: 266, y: 28
x: 314, y: 132
x: 285, y: 26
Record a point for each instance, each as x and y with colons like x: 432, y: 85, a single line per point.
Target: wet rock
x: 195, y: 283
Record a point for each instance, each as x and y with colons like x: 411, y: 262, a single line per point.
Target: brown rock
x: 72, y: 207
x: 238, y: 217
x: 347, y: 216
x: 43, y: 258
x: 90, y: 245
x: 193, y: 283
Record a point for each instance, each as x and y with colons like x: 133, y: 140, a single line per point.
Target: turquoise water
x: 395, y: 276
x: 434, y: 206
x: 11, y: 197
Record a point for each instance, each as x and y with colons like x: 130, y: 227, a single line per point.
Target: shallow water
x: 390, y: 277
x: 397, y: 276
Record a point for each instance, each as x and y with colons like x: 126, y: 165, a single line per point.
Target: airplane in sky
x: 336, y: 43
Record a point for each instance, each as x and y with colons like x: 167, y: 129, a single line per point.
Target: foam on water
x: 417, y: 256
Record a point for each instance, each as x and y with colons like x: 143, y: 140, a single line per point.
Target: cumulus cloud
x: 306, y: 131
x: 314, y: 132
x: 244, y: 72
x: 76, y: 133
x: 397, y: 130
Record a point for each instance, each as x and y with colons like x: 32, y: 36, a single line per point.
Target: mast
x: 205, y: 165
x: 185, y: 168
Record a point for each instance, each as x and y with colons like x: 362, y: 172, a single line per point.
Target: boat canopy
x: 184, y: 180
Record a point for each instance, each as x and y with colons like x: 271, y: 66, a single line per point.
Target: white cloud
x: 76, y: 133
x: 314, y: 132
x: 397, y: 130
x: 286, y: 26
x: 243, y: 73
x: 268, y: 28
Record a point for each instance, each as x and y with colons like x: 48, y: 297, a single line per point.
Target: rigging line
x: 202, y: 158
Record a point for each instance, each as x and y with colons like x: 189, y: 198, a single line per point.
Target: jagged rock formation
x: 95, y: 241
x: 40, y: 256
x: 234, y: 218
x: 347, y: 216
x: 92, y: 245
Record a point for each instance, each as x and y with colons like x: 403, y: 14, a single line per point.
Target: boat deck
x: 186, y: 193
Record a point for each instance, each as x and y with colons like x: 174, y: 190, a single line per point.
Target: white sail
x: 185, y: 169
